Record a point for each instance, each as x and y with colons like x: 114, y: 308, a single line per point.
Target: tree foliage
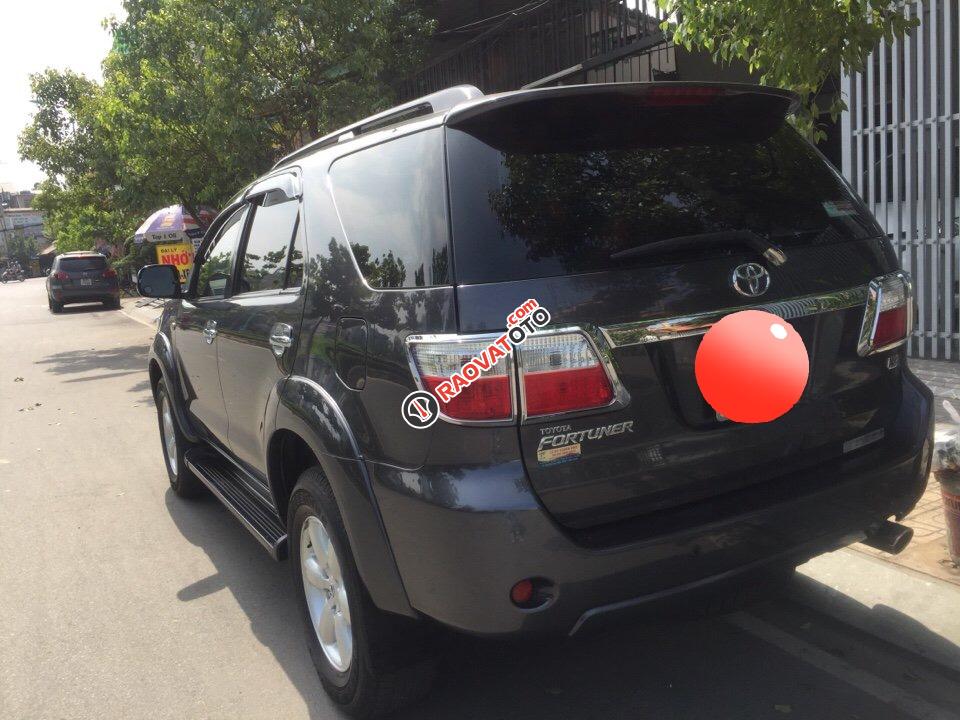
x: 200, y: 96
x: 794, y: 44
x: 21, y: 248
x: 83, y: 195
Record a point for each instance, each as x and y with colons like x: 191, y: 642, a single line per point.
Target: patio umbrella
x: 173, y: 224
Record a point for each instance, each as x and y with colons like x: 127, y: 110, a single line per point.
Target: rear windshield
x: 80, y: 264
x: 533, y: 203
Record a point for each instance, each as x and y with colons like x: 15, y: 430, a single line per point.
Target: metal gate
x: 900, y: 152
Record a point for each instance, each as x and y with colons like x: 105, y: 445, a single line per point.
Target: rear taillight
x: 488, y: 398
x: 61, y: 276
x: 560, y: 373
x: 109, y: 273
x: 888, y: 317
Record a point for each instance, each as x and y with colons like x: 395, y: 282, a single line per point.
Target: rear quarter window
x: 392, y: 202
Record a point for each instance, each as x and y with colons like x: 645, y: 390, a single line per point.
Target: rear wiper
x: 773, y: 253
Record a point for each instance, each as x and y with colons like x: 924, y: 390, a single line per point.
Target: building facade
x: 19, y: 222
x: 499, y: 45
x: 900, y: 152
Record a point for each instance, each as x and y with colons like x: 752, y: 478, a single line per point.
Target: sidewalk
x: 143, y: 310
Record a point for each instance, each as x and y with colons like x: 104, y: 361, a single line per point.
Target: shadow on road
x: 260, y: 586
x: 639, y: 668
x: 110, y: 362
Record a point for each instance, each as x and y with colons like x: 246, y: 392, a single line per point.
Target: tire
x: 388, y: 664
x: 55, y: 307
x: 182, y: 481
x: 113, y: 304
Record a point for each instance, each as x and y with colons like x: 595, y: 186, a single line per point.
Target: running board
x: 223, y: 480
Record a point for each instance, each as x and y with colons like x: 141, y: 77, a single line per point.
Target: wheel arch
x: 309, y: 426
x: 161, y: 366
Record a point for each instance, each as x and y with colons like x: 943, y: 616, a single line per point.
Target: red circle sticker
x: 752, y: 366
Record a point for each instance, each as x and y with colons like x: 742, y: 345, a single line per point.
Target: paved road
x: 119, y: 600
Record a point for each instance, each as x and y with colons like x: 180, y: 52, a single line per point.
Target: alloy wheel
x: 169, y: 433
x: 326, y: 594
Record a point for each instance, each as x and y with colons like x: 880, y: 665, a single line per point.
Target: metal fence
x: 900, y: 152
x: 556, y: 42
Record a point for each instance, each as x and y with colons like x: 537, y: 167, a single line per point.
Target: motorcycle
x: 10, y: 274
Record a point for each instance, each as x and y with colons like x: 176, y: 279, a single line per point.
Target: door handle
x: 210, y: 331
x: 281, y: 337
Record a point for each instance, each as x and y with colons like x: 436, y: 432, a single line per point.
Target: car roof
x: 458, y: 104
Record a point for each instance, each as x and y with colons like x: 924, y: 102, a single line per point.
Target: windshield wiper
x: 773, y: 253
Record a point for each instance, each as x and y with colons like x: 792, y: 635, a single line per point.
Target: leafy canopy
x: 200, y: 96
x: 794, y: 44
x: 83, y: 195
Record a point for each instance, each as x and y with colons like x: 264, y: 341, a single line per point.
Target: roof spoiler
x: 654, y: 94
x: 426, y: 105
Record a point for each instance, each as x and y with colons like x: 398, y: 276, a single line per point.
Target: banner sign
x: 180, y: 255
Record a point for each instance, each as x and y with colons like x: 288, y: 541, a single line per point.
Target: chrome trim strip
x: 674, y: 328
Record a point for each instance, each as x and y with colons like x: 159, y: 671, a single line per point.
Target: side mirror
x: 158, y: 281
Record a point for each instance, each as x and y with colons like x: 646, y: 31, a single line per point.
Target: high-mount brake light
x: 561, y: 373
x: 489, y: 398
x: 888, y: 316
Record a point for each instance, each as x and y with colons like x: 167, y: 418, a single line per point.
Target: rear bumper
x: 461, y: 540
x: 85, y: 294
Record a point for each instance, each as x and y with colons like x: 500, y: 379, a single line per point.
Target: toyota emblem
x: 750, y: 279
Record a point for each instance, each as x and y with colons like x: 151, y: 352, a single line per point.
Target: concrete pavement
x: 119, y: 600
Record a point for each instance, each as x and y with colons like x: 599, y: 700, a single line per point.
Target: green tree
x: 203, y: 95
x: 21, y: 248
x: 85, y: 196
x: 200, y: 96
x: 79, y: 213
x: 794, y: 44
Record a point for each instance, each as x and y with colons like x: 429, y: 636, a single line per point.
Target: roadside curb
x: 142, y: 310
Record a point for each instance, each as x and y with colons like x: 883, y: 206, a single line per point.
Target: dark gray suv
x: 82, y: 277
x: 330, y: 373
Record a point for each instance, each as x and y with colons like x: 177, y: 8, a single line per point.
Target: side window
x: 265, y: 258
x: 295, y: 268
x: 215, y: 272
x: 391, y: 198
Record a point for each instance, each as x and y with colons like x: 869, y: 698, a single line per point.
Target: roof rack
x: 426, y: 105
